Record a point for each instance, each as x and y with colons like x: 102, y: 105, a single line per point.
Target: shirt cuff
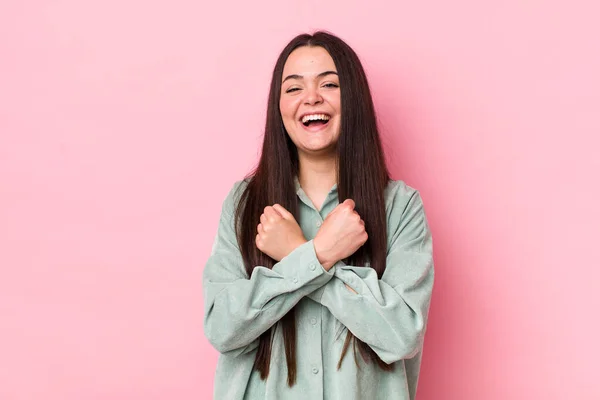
x: 302, y: 266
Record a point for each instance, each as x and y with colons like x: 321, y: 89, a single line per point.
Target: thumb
x: 350, y: 203
x: 283, y: 212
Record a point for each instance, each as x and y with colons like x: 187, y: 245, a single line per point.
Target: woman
x: 318, y: 251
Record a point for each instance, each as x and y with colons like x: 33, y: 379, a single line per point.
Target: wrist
x: 327, y: 265
x: 323, y: 259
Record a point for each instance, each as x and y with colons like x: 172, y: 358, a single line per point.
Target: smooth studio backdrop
x: 123, y: 125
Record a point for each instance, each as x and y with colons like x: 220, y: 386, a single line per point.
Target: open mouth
x: 315, y: 120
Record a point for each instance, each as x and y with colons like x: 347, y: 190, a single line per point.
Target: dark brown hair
x: 361, y: 174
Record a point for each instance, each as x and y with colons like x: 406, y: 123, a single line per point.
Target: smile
x: 315, y: 122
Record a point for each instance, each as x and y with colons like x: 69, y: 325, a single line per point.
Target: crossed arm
x: 389, y: 314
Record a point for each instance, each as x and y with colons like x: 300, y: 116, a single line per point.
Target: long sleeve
x: 389, y: 314
x: 238, y: 308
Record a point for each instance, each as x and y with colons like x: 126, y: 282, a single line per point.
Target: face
x: 310, y: 103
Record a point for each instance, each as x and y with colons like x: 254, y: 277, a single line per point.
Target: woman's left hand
x: 278, y: 233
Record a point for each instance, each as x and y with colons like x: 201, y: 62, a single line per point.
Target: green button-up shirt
x: 389, y: 314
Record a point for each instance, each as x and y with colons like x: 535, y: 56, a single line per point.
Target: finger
x: 365, y: 237
x: 339, y: 207
x: 283, y: 212
x: 260, y: 228
x: 350, y: 203
x: 271, y: 213
x: 263, y: 219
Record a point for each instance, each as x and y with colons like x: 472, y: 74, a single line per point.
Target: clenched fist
x: 278, y: 233
x: 342, y: 233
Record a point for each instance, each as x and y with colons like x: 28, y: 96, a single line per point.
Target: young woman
x: 320, y: 277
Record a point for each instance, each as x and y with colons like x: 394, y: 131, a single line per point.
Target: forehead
x: 308, y: 61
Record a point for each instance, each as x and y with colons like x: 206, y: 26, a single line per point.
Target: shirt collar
x: 298, y: 188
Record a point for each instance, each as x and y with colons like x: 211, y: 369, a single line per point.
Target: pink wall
x: 123, y: 124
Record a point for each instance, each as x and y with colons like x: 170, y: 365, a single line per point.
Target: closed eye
x: 292, y: 90
x: 331, y: 85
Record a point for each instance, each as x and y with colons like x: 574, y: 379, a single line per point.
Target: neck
x: 317, y: 174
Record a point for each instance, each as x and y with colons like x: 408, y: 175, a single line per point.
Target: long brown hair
x: 361, y: 173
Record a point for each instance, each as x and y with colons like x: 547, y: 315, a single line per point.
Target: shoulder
x: 401, y: 198
x: 397, y: 191
x: 234, y: 195
x: 405, y: 212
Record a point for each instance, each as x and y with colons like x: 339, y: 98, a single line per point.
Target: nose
x: 312, y: 96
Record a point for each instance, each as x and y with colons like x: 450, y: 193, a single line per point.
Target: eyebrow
x: 322, y: 74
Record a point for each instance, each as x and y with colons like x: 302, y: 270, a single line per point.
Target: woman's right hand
x: 342, y: 233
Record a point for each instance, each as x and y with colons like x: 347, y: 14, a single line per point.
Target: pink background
x: 123, y: 125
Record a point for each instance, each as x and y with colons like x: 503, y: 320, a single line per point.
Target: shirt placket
x: 313, y: 322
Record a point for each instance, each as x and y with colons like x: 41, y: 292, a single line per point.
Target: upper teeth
x: 314, y: 117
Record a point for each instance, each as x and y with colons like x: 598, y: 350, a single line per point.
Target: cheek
x: 286, y: 107
x: 335, y: 102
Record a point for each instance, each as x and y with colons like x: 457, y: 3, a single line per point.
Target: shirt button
x: 313, y: 321
x: 312, y: 267
x: 319, y: 223
x: 295, y: 280
x: 315, y: 370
